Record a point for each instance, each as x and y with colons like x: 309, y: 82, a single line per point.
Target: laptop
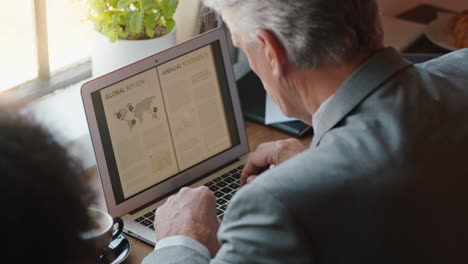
x: 170, y: 120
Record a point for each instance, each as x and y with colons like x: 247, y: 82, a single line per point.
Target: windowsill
x: 61, y: 80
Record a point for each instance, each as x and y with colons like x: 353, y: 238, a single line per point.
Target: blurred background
x: 41, y: 38
x: 46, y: 48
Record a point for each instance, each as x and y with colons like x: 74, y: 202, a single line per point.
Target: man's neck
x: 316, y: 85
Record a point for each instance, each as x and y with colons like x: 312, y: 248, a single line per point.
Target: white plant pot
x: 109, y: 56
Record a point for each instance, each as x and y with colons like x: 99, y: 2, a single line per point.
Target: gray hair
x: 313, y: 32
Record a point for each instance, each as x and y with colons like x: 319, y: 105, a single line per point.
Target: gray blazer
x: 384, y: 181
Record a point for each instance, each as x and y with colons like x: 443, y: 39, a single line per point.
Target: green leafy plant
x: 132, y: 19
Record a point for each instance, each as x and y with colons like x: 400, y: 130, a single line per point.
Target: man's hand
x: 267, y: 154
x: 192, y: 213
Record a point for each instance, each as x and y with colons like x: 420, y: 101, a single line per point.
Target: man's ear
x: 274, y: 51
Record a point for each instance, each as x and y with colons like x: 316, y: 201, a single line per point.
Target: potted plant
x: 129, y: 30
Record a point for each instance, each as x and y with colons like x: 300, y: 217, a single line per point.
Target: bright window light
x: 69, y: 34
x: 18, y: 62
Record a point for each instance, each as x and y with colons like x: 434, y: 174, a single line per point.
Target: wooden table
x: 256, y: 134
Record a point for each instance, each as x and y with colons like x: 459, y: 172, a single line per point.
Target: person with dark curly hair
x: 44, y: 198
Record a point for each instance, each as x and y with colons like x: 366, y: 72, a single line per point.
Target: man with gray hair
x: 385, y: 177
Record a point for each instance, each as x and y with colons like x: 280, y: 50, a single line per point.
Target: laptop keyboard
x: 223, y: 187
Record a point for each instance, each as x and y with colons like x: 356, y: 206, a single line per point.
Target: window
x: 17, y: 60
x: 69, y: 36
x: 46, y: 44
x: 42, y: 39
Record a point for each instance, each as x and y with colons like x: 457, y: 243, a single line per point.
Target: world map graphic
x: 131, y: 113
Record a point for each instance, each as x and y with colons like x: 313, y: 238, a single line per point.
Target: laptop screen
x: 165, y: 120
